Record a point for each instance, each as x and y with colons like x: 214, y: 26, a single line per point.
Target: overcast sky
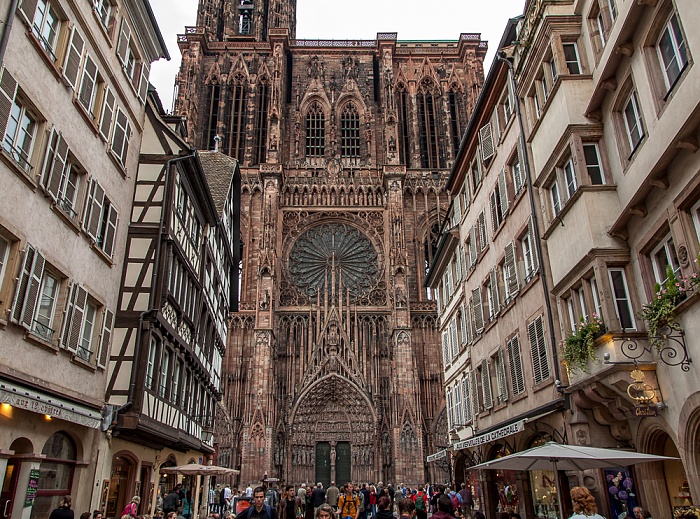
x: 353, y: 19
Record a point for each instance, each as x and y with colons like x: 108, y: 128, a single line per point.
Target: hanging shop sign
x: 503, y: 432
x: 437, y: 456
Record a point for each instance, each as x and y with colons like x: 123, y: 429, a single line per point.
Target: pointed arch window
x: 428, y: 127
x: 429, y: 250
x: 213, y: 98
x: 350, y: 131
x: 456, y: 122
x: 315, y: 131
x: 234, y: 120
x: 404, y: 125
x: 261, y: 113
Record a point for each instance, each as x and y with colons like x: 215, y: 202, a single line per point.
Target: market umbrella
x: 195, y: 469
x: 557, y: 456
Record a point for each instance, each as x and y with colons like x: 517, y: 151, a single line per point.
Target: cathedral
x: 333, y: 368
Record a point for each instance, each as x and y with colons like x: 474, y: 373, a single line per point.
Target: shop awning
x: 43, y: 403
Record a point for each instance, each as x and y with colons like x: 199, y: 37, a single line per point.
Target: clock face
x: 320, y: 249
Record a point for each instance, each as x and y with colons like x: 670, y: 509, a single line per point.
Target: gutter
x: 9, y: 19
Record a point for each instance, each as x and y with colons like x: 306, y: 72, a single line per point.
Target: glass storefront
x: 543, y: 487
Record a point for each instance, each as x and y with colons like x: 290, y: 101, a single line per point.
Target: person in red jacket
x: 420, y: 499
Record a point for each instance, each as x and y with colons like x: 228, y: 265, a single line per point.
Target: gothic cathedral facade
x: 333, y: 368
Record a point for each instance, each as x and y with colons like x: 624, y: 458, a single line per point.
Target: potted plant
x: 579, y: 346
x: 660, y: 313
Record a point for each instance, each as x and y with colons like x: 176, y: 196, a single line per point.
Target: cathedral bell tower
x: 226, y: 19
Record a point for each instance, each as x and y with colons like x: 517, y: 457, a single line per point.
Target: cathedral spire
x: 231, y: 18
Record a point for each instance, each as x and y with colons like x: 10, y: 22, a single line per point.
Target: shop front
x: 46, y: 444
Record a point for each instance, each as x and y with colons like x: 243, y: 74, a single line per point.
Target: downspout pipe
x: 9, y: 20
x: 533, y: 211
x: 153, y: 308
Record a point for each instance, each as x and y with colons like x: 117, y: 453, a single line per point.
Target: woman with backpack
x: 132, y: 509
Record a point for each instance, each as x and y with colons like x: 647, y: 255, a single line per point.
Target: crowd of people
x: 368, y: 501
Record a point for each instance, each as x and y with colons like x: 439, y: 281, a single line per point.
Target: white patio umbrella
x: 557, y: 456
x: 194, y: 469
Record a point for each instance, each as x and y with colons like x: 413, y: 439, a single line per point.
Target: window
x: 56, y: 471
x: 477, y: 305
x: 100, y: 218
x: 593, y: 165
x: 454, y: 102
x: 662, y: 257
x: 62, y: 175
x: 429, y: 104
x: 501, y: 385
x: 570, y: 313
x: 672, y: 52
x: 450, y: 409
x: 85, y: 345
x: 466, y: 394
x: 491, y: 301
x: 573, y: 64
x: 234, y: 119
x: 151, y: 362
x: 89, y: 86
x: 350, y: 131
x: 623, y: 305
x: 570, y: 177
x: 103, y: 10
x: 695, y: 212
x: 527, y: 243
x: 552, y: 69
x: 135, y: 68
x: 4, y: 254
x: 554, y: 197
x: 315, y: 131
x: 612, y: 6
x: 405, y: 123
x: 634, y: 125
x: 515, y: 362
x: 164, y: 370
x: 510, y: 273
x: 46, y: 27
x: 261, y: 119
x: 175, y: 391
x: 596, y: 298
x: 600, y: 23
x: 21, y: 133
x: 481, y: 227
x: 476, y: 172
x: 43, y: 322
x: 496, y: 209
x: 516, y: 171
x: 582, y: 304
x: 484, y: 371
x: 538, y: 347
x: 120, y: 136
x: 458, y: 403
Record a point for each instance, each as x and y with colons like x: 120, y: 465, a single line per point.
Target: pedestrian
x: 290, y: 504
x: 187, y: 505
x: 366, y: 504
x: 420, y: 501
x: 85, y: 515
x: 171, y: 501
x: 332, y: 495
x: 260, y: 509
x: 63, y: 511
x: 249, y: 491
x: 465, y: 492
x: 584, y: 504
x: 318, y: 496
x: 479, y: 515
x: 349, y: 504
x: 444, y: 508
x: 132, y: 509
x: 97, y: 514
x: 324, y: 512
x: 179, y: 513
x: 301, y: 493
x: 407, y: 508
x: 384, y: 508
x: 640, y: 513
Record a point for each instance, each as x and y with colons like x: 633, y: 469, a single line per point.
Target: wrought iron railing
x: 42, y: 331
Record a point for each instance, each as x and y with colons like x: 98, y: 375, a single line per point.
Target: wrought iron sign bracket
x: 669, y: 345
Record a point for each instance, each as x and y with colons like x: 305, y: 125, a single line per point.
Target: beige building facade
x: 609, y: 100
x: 72, y: 92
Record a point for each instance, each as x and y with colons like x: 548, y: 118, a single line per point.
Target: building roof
x: 219, y: 170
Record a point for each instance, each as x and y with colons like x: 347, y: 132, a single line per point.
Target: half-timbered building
x: 179, y: 285
x: 73, y: 85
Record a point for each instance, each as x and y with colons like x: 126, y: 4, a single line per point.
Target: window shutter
x: 110, y: 231
x: 107, y: 113
x: 74, y: 56
x: 503, y: 191
x: 57, y: 156
x: 88, y: 83
x: 28, y: 9
x: 8, y: 90
x: 74, y: 318
x: 475, y: 393
x: 454, y: 337
x: 446, y: 348
x: 486, y: 383
x: 93, y: 209
x: 120, y: 136
x: 516, y: 366
x: 483, y: 238
x: 486, y: 140
x: 478, y: 311
x: 463, y: 325
x: 495, y: 126
x: 538, y: 346
x: 512, y: 270
x: 470, y: 326
x: 502, y: 385
x: 494, y: 209
x: 494, y: 290
x: 467, y: 398
x: 123, y: 44
x: 105, y: 339
x: 34, y: 286
x: 23, y: 282
x: 450, y: 409
x: 472, y: 246
x: 533, y: 244
x: 143, y: 85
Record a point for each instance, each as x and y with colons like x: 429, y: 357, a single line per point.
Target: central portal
x: 333, y: 463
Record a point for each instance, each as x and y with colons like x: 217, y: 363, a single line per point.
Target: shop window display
x: 622, y: 493
x: 55, y: 474
x: 543, y: 486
